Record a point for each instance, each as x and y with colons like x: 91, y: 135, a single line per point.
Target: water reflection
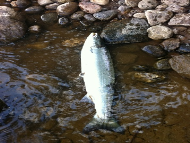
x: 39, y: 82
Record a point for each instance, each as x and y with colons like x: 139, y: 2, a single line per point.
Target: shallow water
x: 40, y: 84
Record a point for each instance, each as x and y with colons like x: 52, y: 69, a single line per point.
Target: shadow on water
x: 39, y: 83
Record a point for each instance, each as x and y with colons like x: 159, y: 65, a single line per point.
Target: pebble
x: 162, y: 64
x: 178, y: 2
x: 124, y: 9
x: 89, y: 17
x: 176, y: 8
x: 105, y: 15
x: 180, y: 19
x: 139, y: 15
x: 63, y: 21
x: 52, y: 6
x: 34, y: 29
x: 34, y: 9
x: 147, y: 4
x: 154, y: 50
x: 67, y: 9
x: 132, y: 3
x: 100, y: 2
x: 45, y: 2
x: 159, y: 32
x: 170, y: 44
x: 77, y: 15
x: 90, y: 7
x: 161, y: 7
x: 184, y: 48
x: 23, y: 3
x: 156, y: 17
x: 49, y: 17
x: 64, y: 1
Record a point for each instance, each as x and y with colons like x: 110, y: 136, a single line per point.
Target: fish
x: 99, y: 78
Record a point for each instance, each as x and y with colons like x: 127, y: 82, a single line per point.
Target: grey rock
x: 184, y: 48
x: 63, y: 21
x: 49, y: 17
x: 45, y: 2
x: 132, y: 3
x: 182, y: 19
x: 162, y: 64
x: 23, y: 3
x: 90, y: 7
x: 171, y: 44
x: 67, y: 9
x: 154, y: 50
x: 105, y: 15
x: 34, y: 9
x: 178, y: 2
x: 159, y: 32
x: 181, y: 64
x: 126, y: 31
x: 161, y: 7
x: 147, y: 4
x: 12, y: 25
x: 123, y: 9
x: 156, y: 17
x: 89, y: 17
x: 176, y: 8
x: 139, y: 15
x: 77, y: 15
x: 52, y: 6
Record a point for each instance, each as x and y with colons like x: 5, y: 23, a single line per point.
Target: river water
x: 40, y: 84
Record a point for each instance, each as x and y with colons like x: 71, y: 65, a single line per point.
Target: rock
x: 34, y: 9
x: 64, y: 1
x: 45, y: 2
x: 133, y: 11
x: 147, y: 4
x: 180, y: 19
x: 180, y: 30
x: 181, y: 64
x: 73, y: 42
x: 23, y: 3
x: 77, y: 15
x: 154, y: 50
x: 13, y: 4
x: 156, y: 17
x: 178, y: 2
x: 126, y: 31
x: 183, y: 34
x: 67, y: 9
x: 132, y: 3
x: 37, y: 45
x: 159, y: 32
x: 105, y: 15
x: 176, y: 8
x: 12, y: 25
x: 89, y: 17
x: 161, y: 7
x: 100, y: 2
x: 89, y: 7
x: 63, y: 21
x: 139, y: 15
x: 34, y: 29
x: 49, y: 17
x: 162, y: 64
x: 126, y: 58
x: 52, y: 6
x: 123, y: 9
x: 171, y: 44
x: 184, y: 48
x: 147, y: 77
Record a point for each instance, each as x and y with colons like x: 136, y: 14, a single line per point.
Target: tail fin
x: 108, y: 124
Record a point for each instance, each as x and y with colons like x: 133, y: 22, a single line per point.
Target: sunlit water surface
x: 40, y: 84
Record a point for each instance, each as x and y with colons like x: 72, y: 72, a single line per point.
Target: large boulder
x: 181, y: 64
x: 12, y: 25
x: 126, y: 31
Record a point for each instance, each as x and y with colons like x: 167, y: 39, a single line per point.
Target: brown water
x: 40, y: 84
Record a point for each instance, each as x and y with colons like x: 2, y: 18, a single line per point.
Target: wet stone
x: 52, y: 6
x: 67, y: 9
x: 77, y: 15
x: 181, y: 65
x: 147, y: 4
x: 139, y: 15
x: 45, y: 2
x: 23, y: 3
x: 154, y: 50
x: 49, y: 17
x: 132, y: 3
x: 159, y: 32
x: 184, y: 48
x: 171, y: 44
x: 105, y: 15
x: 162, y: 64
x: 147, y: 77
x: 89, y: 17
x: 125, y: 31
x: 34, y: 29
x: 100, y: 2
x: 63, y: 21
x: 73, y: 42
x: 89, y: 7
x: 34, y: 9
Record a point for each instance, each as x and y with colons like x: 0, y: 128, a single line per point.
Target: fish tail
x: 108, y: 124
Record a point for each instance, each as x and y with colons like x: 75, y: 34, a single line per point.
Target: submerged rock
x: 12, y: 25
x: 162, y: 64
x: 181, y: 64
x: 23, y: 3
x: 63, y: 21
x: 171, y: 44
x: 126, y: 31
x: 49, y: 17
x: 147, y: 77
x: 34, y: 9
x: 34, y: 29
x: 184, y: 48
x: 154, y: 50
